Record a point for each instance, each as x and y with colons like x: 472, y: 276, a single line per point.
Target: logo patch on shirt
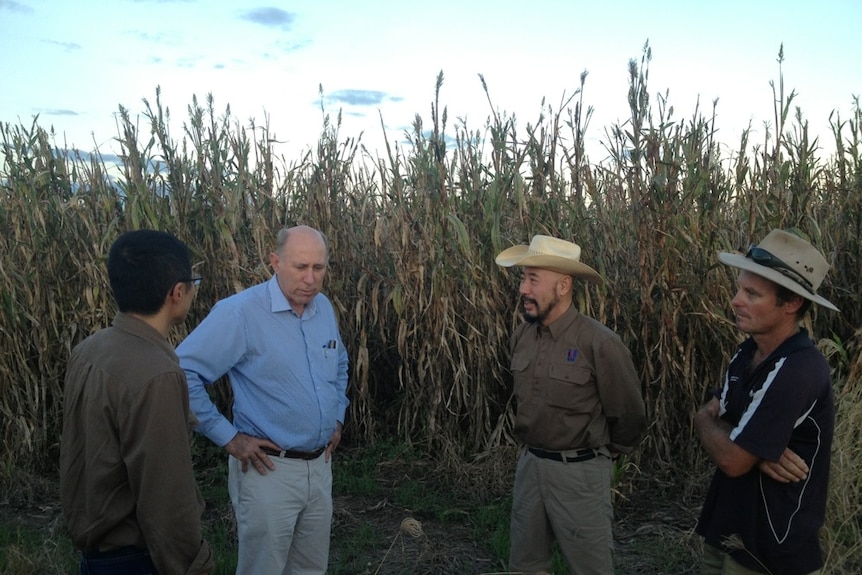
x: 572, y: 355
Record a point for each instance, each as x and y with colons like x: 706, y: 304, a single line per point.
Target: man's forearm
x: 714, y: 434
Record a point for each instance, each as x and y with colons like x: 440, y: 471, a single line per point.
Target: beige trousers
x: 566, y: 502
x: 283, y: 518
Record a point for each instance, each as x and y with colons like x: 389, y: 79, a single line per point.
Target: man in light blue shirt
x: 279, y: 344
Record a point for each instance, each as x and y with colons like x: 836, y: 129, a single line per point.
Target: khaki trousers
x: 715, y: 562
x: 566, y: 502
x: 283, y: 518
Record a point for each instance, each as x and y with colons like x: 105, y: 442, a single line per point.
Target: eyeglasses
x: 195, y: 280
x: 764, y: 258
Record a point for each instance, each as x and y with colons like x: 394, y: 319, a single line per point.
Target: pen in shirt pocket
x: 330, y: 345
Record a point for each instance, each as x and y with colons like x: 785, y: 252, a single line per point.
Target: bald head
x: 302, y: 234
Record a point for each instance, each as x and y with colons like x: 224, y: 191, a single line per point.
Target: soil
x: 416, y: 545
x: 654, y: 518
x: 653, y: 531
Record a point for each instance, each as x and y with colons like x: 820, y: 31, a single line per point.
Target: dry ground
x: 653, y: 526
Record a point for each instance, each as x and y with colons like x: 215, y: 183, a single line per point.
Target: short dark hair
x: 143, y: 267
x: 784, y: 295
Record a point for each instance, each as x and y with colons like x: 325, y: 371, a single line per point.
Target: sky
x: 75, y: 63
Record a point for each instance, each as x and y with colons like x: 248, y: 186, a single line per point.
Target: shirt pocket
x: 329, y: 364
x: 570, y: 388
x: 520, y: 363
x: 521, y: 377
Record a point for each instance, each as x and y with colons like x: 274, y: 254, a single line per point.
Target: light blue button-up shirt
x: 288, y: 373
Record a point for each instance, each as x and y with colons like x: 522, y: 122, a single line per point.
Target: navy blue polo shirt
x: 786, y: 401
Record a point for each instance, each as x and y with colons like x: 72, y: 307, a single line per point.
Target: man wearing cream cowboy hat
x: 769, y: 427
x: 578, y: 406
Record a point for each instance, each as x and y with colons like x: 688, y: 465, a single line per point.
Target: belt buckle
x: 580, y: 455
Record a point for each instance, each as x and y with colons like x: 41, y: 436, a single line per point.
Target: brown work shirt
x: 575, y: 386
x: 126, y: 475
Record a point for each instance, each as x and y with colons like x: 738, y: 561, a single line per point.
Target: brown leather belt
x: 579, y: 455
x: 294, y: 454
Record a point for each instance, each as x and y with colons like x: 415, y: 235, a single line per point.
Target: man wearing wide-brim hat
x: 768, y: 427
x: 578, y: 405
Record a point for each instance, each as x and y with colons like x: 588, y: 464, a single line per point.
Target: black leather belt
x: 564, y: 457
x: 294, y: 454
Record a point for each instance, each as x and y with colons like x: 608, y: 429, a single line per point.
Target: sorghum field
x: 424, y: 310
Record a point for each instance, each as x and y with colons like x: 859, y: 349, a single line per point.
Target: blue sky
x: 74, y: 63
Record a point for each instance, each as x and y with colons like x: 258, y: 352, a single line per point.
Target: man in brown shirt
x: 579, y: 406
x: 126, y: 480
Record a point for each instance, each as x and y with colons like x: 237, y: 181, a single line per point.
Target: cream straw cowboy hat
x: 551, y: 254
x: 787, y: 260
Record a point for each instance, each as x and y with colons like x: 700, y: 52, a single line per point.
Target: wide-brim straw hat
x: 549, y: 253
x: 788, y: 260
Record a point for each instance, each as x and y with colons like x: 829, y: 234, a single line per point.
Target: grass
x: 376, y: 489
x: 352, y: 553
x: 659, y: 555
x: 396, y: 511
x: 410, y: 509
x: 25, y: 550
x: 491, y: 524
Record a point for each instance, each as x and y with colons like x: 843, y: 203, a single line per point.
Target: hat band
x: 766, y: 259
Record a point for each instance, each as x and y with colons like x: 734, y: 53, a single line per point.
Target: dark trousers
x: 125, y: 561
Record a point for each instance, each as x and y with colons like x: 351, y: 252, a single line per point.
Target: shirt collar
x: 130, y: 324
x: 279, y: 303
x: 793, y: 343
x: 561, y: 324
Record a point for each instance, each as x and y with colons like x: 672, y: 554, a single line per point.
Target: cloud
x: 269, y: 16
x: 68, y: 46
x: 288, y: 46
x: 13, y: 6
x: 57, y: 112
x: 157, y: 38
x: 360, y: 97
x: 111, y: 159
x: 187, y: 62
